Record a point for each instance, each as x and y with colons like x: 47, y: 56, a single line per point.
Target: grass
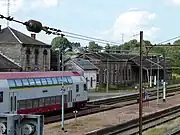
x: 160, y: 130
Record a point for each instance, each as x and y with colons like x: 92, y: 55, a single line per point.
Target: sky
x: 114, y: 20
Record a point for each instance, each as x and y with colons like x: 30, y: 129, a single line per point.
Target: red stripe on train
x: 16, y: 75
x: 47, y: 108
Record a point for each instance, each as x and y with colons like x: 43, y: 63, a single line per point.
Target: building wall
x: 91, y: 76
x: 17, y: 53
x: 42, y: 65
x: 13, y: 51
x: 118, y: 72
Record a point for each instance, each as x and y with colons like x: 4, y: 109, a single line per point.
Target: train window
x: 25, y: 82
x: 65, y: 98
x: 38, y: 82
x: 68, y: 96
x: 31, y: 82
x: 35, y: 103
x: 1, y: 97
x: 49, y: 81
x: 18, y: 82
x: 11, y: 83
x: 53, y: 100
x: 29, y: 104
x: 21, y: 104
x: 85, y: 87
x: 47, y: 101
x: 58, y: 99
x: 65, y: 81
x: 43, y: 80
x: 54, y: 81
x: 41, y: 102
x: 77, y: 88
x: 69, y: 80
x: 60, y: 80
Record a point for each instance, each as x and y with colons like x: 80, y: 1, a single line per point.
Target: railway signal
x: 19, y: 124
x: 75, y: 115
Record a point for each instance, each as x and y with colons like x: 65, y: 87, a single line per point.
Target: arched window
x: 36, y: 53
x: 28, y: 52
x: 45, y: 53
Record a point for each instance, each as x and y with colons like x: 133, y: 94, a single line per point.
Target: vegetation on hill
x: 172, y: 53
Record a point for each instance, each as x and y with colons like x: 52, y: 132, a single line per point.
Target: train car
x: 40, y: 92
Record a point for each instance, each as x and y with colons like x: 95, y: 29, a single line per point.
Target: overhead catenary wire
x: 168, y: 40
x: 55, y: 31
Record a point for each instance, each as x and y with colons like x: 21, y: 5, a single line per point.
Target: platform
x: 104, y: 119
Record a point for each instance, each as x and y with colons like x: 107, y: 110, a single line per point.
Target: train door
x: 13, y: 102
x: 70, y: 104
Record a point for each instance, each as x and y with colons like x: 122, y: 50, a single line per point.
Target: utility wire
x: 162, y: 42
x: 58, y: 32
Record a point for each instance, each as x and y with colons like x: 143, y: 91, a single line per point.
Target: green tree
x: 93, y: 47
x: 75, y: 45
x: 107, y: 47
x: 60, y: 42
x: 130, y: 45
x: 177, y: 42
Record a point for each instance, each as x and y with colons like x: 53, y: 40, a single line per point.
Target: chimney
x: 33, y: 35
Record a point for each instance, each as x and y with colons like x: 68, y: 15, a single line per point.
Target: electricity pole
x: 140, y: 84
x: 164, y: 82
x: 107, y: 77
x: 158, y: 80
x: 63, y: 90
x: 151, y: 74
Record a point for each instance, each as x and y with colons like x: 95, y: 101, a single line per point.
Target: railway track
x: 108, y: 104
x: 175, y: 131
x: 149, y: 121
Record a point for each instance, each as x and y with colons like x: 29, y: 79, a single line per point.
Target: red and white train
x: 40, y: 92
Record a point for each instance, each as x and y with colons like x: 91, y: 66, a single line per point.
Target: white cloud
x: 130, y: 23
x: 17, y: 5
x: 176, y: 2
x: 44, y: 3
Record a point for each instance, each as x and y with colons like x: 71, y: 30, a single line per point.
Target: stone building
x: 124, y: 68
x: 29, y: 53
x: 86, y: 69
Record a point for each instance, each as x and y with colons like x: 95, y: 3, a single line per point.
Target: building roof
x: 16, y: 75
x: 151, y: 62
x: 10, y: 35
x: 85, y: 64
x: 7, y: 63
x: 148, y: 61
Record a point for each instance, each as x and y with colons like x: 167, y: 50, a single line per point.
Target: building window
x: 36, y: 53
x: 45, y: 53
x: 123, y: 73
x: 1, y: 97
x: 97, y: 78
x: 129, y: 74
x: 77, y: 88
x: 91, y: 82
x: 28, y: 52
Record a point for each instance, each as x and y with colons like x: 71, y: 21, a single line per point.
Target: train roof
x: 16, y: 75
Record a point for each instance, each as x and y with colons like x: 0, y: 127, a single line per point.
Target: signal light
x: 34, y: 26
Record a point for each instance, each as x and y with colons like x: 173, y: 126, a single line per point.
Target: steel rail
x: 109, y: 105
x: 149, y: 121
